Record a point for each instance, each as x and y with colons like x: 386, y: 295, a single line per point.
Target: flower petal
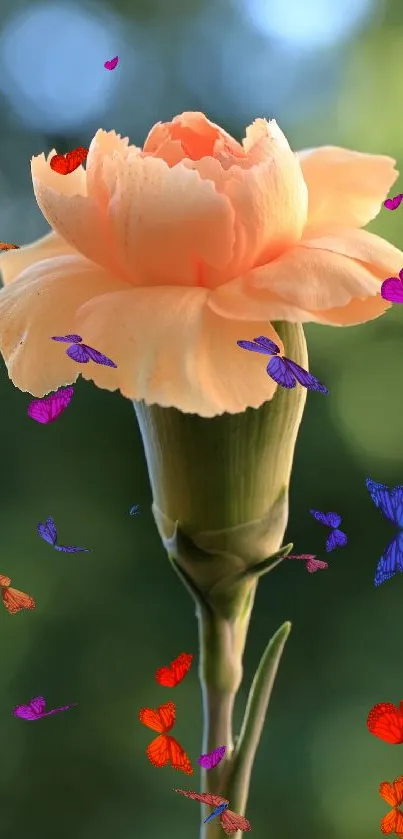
x: 320, y: 281
x: 141, y: 220
x: 183, y: 355
x: 268, y: 195
x: 40, y: 303
x: 12, y: 263
x: 345, y: 187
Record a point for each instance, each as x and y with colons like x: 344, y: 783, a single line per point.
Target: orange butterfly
x: 393, y: 795
x: 6, y: 246
x: 13, y: 599
x: 386, y: 722
x: 164, y: 749
x: 170, y: 676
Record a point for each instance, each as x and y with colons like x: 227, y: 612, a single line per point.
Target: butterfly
x: 284, y: 371
x: 135, y: 510
x: 336, y: 538
x: 393, y: 795
x: 164, y: 749
x: 390, y: 503
x: 35, y: 709
x: 82, y: 353
x: 49, y: 408
x: 386, y: 722
x: 393, y: 203
x: 311, y: 563
x: 64, y: 164
x: 13, y: 599
x: 212, y: 759
x: 110, y: 65
x: 47, y: 530
x: 230, y: 822
x: 172, y: 675
x: 392, y: 289
x: 7, y: 246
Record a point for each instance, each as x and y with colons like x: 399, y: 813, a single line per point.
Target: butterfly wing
x: 392, y: 290
x: 391, y: 560
x: 99, y: 357
x: 171, y: 676
x: 389, y: 501
x: 304, y: 378
x: 178, y: 757
x: 329, y: 519
x: 336, y: 539
x: 49, y: 409
x: 392, y: 793
x: 158, y: 751
x: 47, y: 530
x: 232, y: 822
x: 314, y: 564
x: 38, y: 704
x: 72, y: 549
x: 7, y: 246
x: 78, y: 352
x: 68, y: 339
x: 212, y: 759
x: 160, y: 719
x: 249, y: 345
x: 4, y: 581
x: 277, y: 369
x: 388, y: 822
x: 24, y: 712
x: 204, y: 797
x: 386, y: 722
x: 267, y: 344
x: 15, y: 600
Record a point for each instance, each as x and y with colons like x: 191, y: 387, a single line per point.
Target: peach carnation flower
x: 162, y: 258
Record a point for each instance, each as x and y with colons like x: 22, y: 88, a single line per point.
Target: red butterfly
x: 13, y: 599
x: 393, y: 794
x: 170, y: 676
x: 164, y: 749
x: 230, y: 822
x: 386, y: 722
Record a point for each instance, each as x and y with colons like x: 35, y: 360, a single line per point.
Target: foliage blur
x: 330, y: 74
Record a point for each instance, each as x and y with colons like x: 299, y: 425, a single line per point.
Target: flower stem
x: 222, y: 643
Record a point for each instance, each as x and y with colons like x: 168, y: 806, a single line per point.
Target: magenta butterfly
x: 281, y: 369
x: 47, y: 530
x: 49, y: 408
x: 230, y: 822
x: 311, y: 563
x: 82, y: 353
x: 392, y: 289
x: 212, y: 759
x: 35, y: 709
x: 393, y: 203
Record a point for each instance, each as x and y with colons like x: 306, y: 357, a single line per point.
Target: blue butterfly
x: 390, y: 503
x: 336, y: 539
x: 217, y: 812
x: 135, y: 510
x: 281, y: 369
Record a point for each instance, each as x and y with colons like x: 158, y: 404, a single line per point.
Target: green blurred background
x: 330, y: 73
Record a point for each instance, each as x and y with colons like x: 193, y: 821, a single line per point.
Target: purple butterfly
x: 212, y: 759
x: 336, y: 538
x: 311, y: 563
x: 284, y: 371
x: 35, y: 709
x: 392, y: 289
x: 393, y: 203
x: 47, y: 530
x: 82, y: 352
